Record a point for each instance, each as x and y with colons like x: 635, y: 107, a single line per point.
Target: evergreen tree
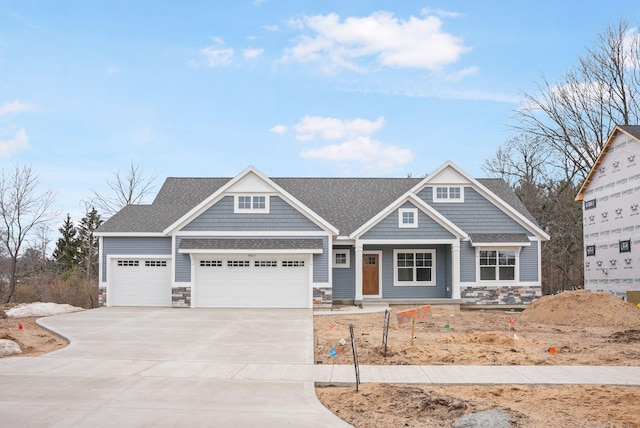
x: 67, y: 251
x: 88, y: 242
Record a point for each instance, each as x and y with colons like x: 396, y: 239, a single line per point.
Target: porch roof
x: 499, y: 238
x: 252, y: 244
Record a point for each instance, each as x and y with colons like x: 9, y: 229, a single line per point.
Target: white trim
x: 420, y: 204
x: 261, y: 233
x: 501, y: 244
x: 252, y: 210
x: 415, y: 282
x: 346, y: 251
x: 130, y: 234
x: 516, y: 271
x: 447, y: 200
x: 223, y: 191
x: 505, y: 207
x: 379, y: 254
x: 402, y: 224
x: 408, y: 241
x: 250, y: 251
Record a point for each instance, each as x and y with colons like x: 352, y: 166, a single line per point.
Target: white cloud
x: 217, y: 57
x: 380, y: 37
x: 330, y: 128
x: 250, y: 53
x: 372, y: 155
x: 271, y: 28
x: 19, y: 142
x: 630, y: 42
x: 279, y: 129
x: 14, y: 107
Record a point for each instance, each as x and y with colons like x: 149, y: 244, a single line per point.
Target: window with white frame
x: 408, y: 217
x: 341, y: 259
x: 251, y: 204
x: 497, y: 265
x: 448, y: 194
x: 414, y: 267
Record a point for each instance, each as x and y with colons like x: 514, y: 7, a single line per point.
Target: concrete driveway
x: 163, y: 367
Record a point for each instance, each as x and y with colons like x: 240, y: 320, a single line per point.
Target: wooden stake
x: 413, y: 329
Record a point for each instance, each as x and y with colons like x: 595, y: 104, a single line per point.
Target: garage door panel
x: 275, y: 281
x: 140, y: 282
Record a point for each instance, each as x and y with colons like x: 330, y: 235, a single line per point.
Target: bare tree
x: 22, y: 211
x: 574, y: 116
x: 129, y: 189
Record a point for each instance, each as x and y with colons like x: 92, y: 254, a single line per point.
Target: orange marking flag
x: 416, y: 314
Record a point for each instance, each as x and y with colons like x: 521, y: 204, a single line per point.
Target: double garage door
x: 219, y: 281
x: 253, y: 281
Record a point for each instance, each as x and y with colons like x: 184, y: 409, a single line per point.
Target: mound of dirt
x: 582, y: 308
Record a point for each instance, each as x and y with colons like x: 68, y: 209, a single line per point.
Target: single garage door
x: 140, y: 282
x: 261, y: 281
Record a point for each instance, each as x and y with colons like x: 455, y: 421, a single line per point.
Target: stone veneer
x: 322, y: 297
x: 500, y: 295
x: 102, y: 296
x: 181, y: 297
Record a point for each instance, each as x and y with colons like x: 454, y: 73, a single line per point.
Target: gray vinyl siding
x: 475, y: 215
x: 443, y: 274
x: 529, y: 263
x: 427, y: 228
x: 344, y: 279
x: 320, y: 261
x: 467, y: 262
x: 133, y: 246
x: 281, y: 217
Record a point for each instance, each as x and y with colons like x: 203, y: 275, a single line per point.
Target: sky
x: 294, y: 88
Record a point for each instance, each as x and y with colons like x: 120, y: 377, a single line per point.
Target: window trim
x: 448, y: 188
x: 401, y: 213
x: 347, y: 263
x: 414, y: 283
x: 254, y: 199
x: 497, y: 280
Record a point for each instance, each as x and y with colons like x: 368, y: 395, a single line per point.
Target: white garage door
x: 262, y: 281
x: 140, y: 282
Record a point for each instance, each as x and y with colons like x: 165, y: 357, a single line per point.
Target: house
x: 255, y: 241
x: 611, y: 219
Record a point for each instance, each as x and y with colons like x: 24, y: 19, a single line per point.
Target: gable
x: 221, y: 216
x: 619, y: 158
x: 427, y: 227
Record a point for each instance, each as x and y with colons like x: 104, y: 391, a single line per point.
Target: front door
x: 370, y: 280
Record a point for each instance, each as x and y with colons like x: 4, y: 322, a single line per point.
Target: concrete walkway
x: 168, y: 367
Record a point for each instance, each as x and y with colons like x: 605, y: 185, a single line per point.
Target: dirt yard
x: 573, y: 328
x: 582, y: 328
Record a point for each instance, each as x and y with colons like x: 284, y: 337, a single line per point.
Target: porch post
x: 358, y: 295
x: 455, y: 269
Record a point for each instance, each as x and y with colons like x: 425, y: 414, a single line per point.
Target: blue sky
x: 294, y: 88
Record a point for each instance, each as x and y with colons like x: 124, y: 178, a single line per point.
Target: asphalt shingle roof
x: 346, y: 203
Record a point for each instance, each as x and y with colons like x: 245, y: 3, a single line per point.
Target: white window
x: 265, y: 263
x: 408, y: 217
x: 293, y: 263
x: 341, y: 259
x: 414, y: 267
x: 251, y: 204
x: 155, y: 263
x: 128, y: 263
x: 448, y: 194
x: 238, y: 263
x: 210, y: 263
x: 497, y: 265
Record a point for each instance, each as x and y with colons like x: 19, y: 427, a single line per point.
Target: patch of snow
x: 9, y: 347
x: 40, y: 309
